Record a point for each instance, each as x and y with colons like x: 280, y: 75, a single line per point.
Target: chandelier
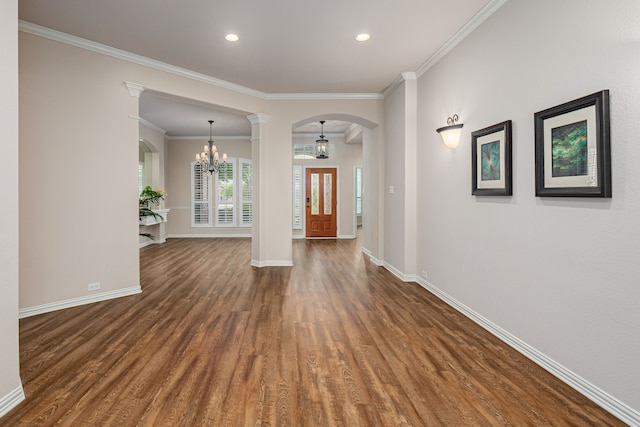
x: 208, y: 159
x: 322, y: 144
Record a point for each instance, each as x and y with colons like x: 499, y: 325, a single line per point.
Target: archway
x: 355, y: 131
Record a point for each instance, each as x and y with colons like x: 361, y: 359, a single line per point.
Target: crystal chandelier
x: 208, y: 159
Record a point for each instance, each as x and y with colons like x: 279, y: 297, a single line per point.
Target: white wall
x: 560, y: 274
x: 394, y: 158
x: 10, y: 386
x: 400, y: 189
x: 78, y: 175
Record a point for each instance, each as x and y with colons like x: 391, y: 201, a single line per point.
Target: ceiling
x: 285, y: 46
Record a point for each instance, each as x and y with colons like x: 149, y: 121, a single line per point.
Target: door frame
x: 304, y: 185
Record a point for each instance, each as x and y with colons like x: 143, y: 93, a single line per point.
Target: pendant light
x: 322, y: 145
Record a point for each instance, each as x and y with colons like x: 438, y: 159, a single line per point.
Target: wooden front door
x: 320, y: 200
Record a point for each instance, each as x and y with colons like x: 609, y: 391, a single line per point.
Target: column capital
x: 259, y: 118
x: 409, y: 75
x: 135, y: 89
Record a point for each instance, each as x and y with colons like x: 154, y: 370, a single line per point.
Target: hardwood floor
x: 333, y: 341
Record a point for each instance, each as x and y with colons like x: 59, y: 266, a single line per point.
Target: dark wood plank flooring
x: 333, y: 341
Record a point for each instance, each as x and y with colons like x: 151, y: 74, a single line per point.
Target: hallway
x: 333, y: 340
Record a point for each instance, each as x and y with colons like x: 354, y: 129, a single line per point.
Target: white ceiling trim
x: 460, y: 35
x: 316, y: 134
x: 58, y: 36
x: 148, y: 124
x: 466, y: 29
x: 61, y: 37
x: 312, y: 96
x: 206, y: 138
x: 407, y: 75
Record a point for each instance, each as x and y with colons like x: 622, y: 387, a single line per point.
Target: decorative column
x: 134, y: 89
x: 258, y: 190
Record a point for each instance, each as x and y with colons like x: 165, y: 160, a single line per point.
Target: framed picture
x: 491, y: 160
x: 573, y: 152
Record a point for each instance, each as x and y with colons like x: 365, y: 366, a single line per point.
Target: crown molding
x: 135, y: 89
x: 206, y: 137
x: 409, y: 75
x: 148, y: 124
x: 320, y: 96
x: 466, y: 29
x: 460, y: 35
x: 61, y: 37
x: 401, y: 78
x: 258, y: 118
x: 58, y: 36
x: 315, y: 135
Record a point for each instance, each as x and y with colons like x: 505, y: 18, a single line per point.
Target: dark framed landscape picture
x: 491, y: 161
x: 573, y: 151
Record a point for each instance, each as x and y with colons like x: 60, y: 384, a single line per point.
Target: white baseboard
x: 150, y: 242
x: 11, y: 400
x: 373, y: 259
x: 206, y: 236
x: 400, y: 275
x: 597, y: 395
x: 347, y: 236
x: 74, y: 302
x: 256, y: 263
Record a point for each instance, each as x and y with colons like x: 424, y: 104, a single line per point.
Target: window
x: 200, y: 197
x: 358, y: 191
x: 140, y: 177
x: 297, y: 197
x: 225, y: 194
x: 308, y: 151
x: 246, y: 199
x: 217, y: 197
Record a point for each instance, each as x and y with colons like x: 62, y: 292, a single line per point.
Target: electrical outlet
x: 391, y: 189
x: 424, y: 274
x: 93, y: 286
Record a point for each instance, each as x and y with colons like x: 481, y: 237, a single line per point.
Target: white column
x: 258, y: 190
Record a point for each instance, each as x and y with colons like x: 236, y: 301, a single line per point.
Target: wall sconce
x: 451, y: 133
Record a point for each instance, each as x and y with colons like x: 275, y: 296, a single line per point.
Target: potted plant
x: 150, y: 198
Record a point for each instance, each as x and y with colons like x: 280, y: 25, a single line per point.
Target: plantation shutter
x: 200, y: 197
x: 140, y: 177
x: 246, y: 170
x: 297, y: 197
x: 358, y: 191
x: 225, y: 194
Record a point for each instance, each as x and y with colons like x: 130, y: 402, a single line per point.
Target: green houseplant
x: 150, y: 198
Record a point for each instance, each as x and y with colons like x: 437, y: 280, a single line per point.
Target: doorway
x: 321, y: 202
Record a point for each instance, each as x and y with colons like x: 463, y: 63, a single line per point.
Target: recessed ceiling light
x: 363, y: 37
x: 231, y: 38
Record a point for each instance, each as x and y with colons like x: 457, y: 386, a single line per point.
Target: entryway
x: 321, y: 202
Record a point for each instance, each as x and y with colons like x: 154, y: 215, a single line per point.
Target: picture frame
x: 573, y: 149
x: 491, y: 165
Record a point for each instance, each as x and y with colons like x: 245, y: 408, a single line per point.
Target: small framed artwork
x: 573, y: 152
x: 491, y: 160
